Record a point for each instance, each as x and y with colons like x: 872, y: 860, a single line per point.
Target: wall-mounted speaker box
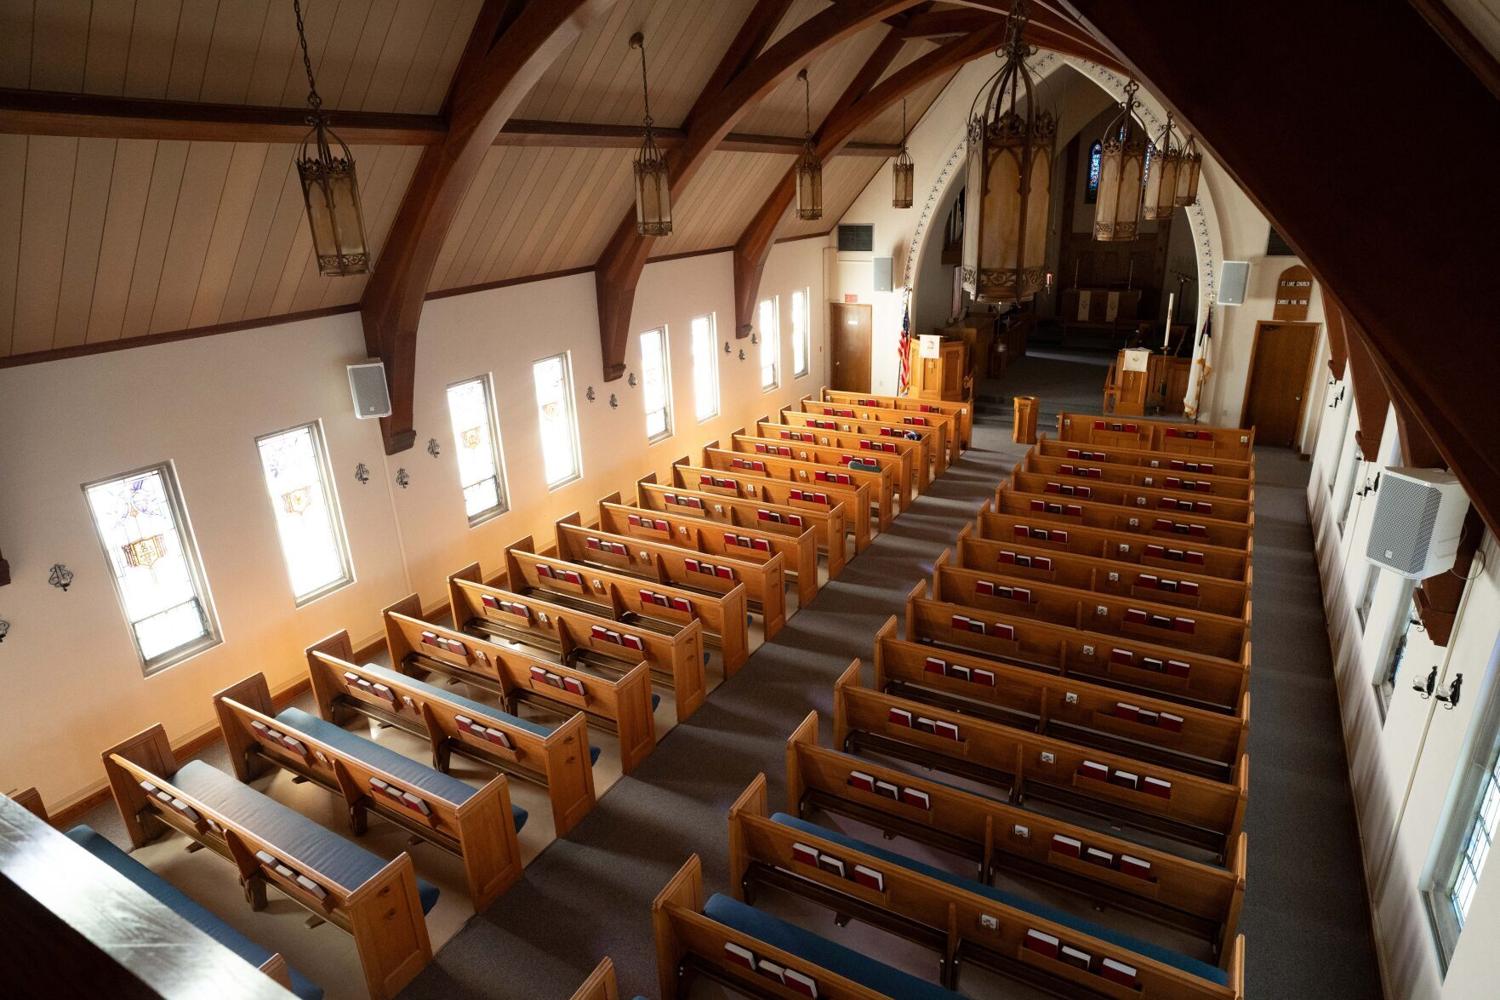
x: 367, y: 386
x: 883, y: 274
x: 1234, y: 279
x: 1419, y: 515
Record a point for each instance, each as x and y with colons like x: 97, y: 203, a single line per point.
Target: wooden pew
x: 383, y: 912
x: 621, y: 596
x: 1185, y: 807
x: 801, y: 529
x: 1189, y: 529
x: 805, y: 447
x: 91, y: 920
x: 665, y: 562
x: 559, y: 759
x: 1052, y: 533
x: 1186, y: 465
x: 1102, y: 575
x: 946, y: 424
x: 752, y: 486
x: 601, y: 983
x: 915, y: 463
x: 1138, y: 475
x: 593, y: 648
x: 1174, y: 502
x: 962, y: 412
x: 694, y: 940
x: 1169, y: 625
x: 1201, y: 898
x: 1155, y: 730
x: 1202, y: 440
x: 945, y: 913
x: 799, y: 554
x: 933, y: 438
x: 814, y: 475
x: 1129, y: 664
x: 479, y: 829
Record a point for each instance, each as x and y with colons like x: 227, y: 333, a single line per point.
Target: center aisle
x: 590, y: 894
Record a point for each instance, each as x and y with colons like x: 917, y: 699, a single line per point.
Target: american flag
x: 904, y: 382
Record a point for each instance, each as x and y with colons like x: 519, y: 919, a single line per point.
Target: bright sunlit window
x: 770, y: 343
x: 656, y: 384
x: 471, y: 410
x: 557, y: 419
x: 705, y: 368
x: 158, y: 576
x: 295, y: 463
x: 801, y: 333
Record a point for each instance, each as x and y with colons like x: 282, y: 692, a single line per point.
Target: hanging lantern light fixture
x: 1122, y: 171
x: 809, y: 167
x: 1009, y: 184
x: 653, y: 182
x: 330, y: 189
x: 1190, y: 166
x: 902, y: 169
x: 1160, y: 199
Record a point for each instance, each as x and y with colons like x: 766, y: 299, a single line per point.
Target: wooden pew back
x: 677, y: 654
x: 916, y: 469
x: 753, y: 486
x: 479, y: 830
x: 384, y: 914
x: 1048, y: 532
x: 1186, y: 465
x: 1187, y: 528
x: 814, y: 475
x: 1129, y: 663
x: 1138, y: 475
x: 946, y: 424
x: 933, y: 438
x: 962, y: 412
x: 1202, y: 440
x: 880, y: 454
x: 1174, y: 502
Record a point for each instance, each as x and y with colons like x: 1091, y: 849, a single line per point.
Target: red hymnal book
x: 985, y: 677
x: 916, y: 797
x: 1157, y: 787
x: 1092, y: 769
x: 1135, y: 866
x: 574, y: 685
x: 1118, y: 972
x: 739, y: 955
x: 1041, y: 943
x: 800, y: 983
x: 805, y: 854
x: 1068, y: 846
x: 1171, y: 723
x: 899, y: 717
x: 869, y: 878
x: 862, y: 781
x: 1176, y: 668
x: 633, y: 642
x: 935, y: 666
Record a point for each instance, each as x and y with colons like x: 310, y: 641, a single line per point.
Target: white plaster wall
x: 69, y: 664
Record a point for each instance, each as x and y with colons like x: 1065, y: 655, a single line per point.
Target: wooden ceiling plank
x: 44, y: 228
x: 156, y: 229
x: 714, y: 116
x: 289, y: 217
x: 91, y: 182
x: 240, y: 182
x: 153, y: 32
x: 195, y: 26
x: 441, y: 72
x: 12, y: 188
x: 231, y: 52
x: 59, y: 44
x: 193, y: 216
x: 427, y: 56
x: 15, y: 48
x: 273, y: 175
x: 354, y: 95
x: 486, y: 92
x: 855, y: 108
x: 129, y: 185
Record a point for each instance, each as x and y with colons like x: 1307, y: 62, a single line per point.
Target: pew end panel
x: 326, y: 688
x: 30, y: 799
x: 149, y: 751
x: 682, y: 893
x: 806, y: 734
x: 255, y: 693
x: 846, y: 680
x: 752, y: 801
x: 601, y: 983
x: 887, y: 630
x: 389, y: 928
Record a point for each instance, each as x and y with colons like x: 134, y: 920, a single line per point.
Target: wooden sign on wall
x: 1293, y: 293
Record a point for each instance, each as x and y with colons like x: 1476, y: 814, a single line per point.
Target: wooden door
x: 1279, y: 364
x: 851, y: 327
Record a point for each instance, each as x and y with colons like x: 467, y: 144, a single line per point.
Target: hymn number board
x: 1293, y: 294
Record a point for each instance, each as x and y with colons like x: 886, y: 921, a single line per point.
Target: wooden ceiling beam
x: 855, y: 108
x: 745, y: 81
x: 1404, y: 248
x: 591, y: 135
x: 509, y: 50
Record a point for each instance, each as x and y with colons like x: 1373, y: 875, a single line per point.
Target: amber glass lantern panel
x: 901, y: 182
x: 809, y: 188
x: 331, y: 193
x: 653, y: 198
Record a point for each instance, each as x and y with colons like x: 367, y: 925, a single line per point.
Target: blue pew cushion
x: 478, y: 708
x: 1051, y: 913
x: 822, y: 952
x: 411, y: 772
x: 302, y: 839
x: 180, y: 903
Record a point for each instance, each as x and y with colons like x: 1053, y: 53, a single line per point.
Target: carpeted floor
x: 589, y: 894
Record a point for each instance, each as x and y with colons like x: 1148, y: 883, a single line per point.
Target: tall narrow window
x: 557, y: 419
x: 1476, y: 846
x: 1391, y: 675
x: 158, y: 576
x: 295, y: 463
x: 705, y: 368
x: 770, y: 343
x: 476, y: 438
x: 1367, y: 596
x: 801, y: 333
x: 1096, y: 159
x: 656, y: 384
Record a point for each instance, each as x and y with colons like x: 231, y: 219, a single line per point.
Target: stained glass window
x: 558, y: 422
x: 1096, y: 156
x: 770, y: 343
x: 1476, y: 846
x: 705, y: 368
x: 801, y: 333
x: 471, y: 411
x: 158, y: 576
x: 656, y: 384
x: 295, y: 464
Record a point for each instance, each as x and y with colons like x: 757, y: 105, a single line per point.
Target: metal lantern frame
x: 1009, y: 179
x: 1159, y: 200
x: 809, y: 166
x: 1189, y: 169
x: 653, y: 180
x: 903, y: 173
x: 1122, y: 173
x: 330, y: 185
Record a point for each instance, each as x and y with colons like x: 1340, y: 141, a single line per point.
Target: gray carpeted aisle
x: 590, y: 894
